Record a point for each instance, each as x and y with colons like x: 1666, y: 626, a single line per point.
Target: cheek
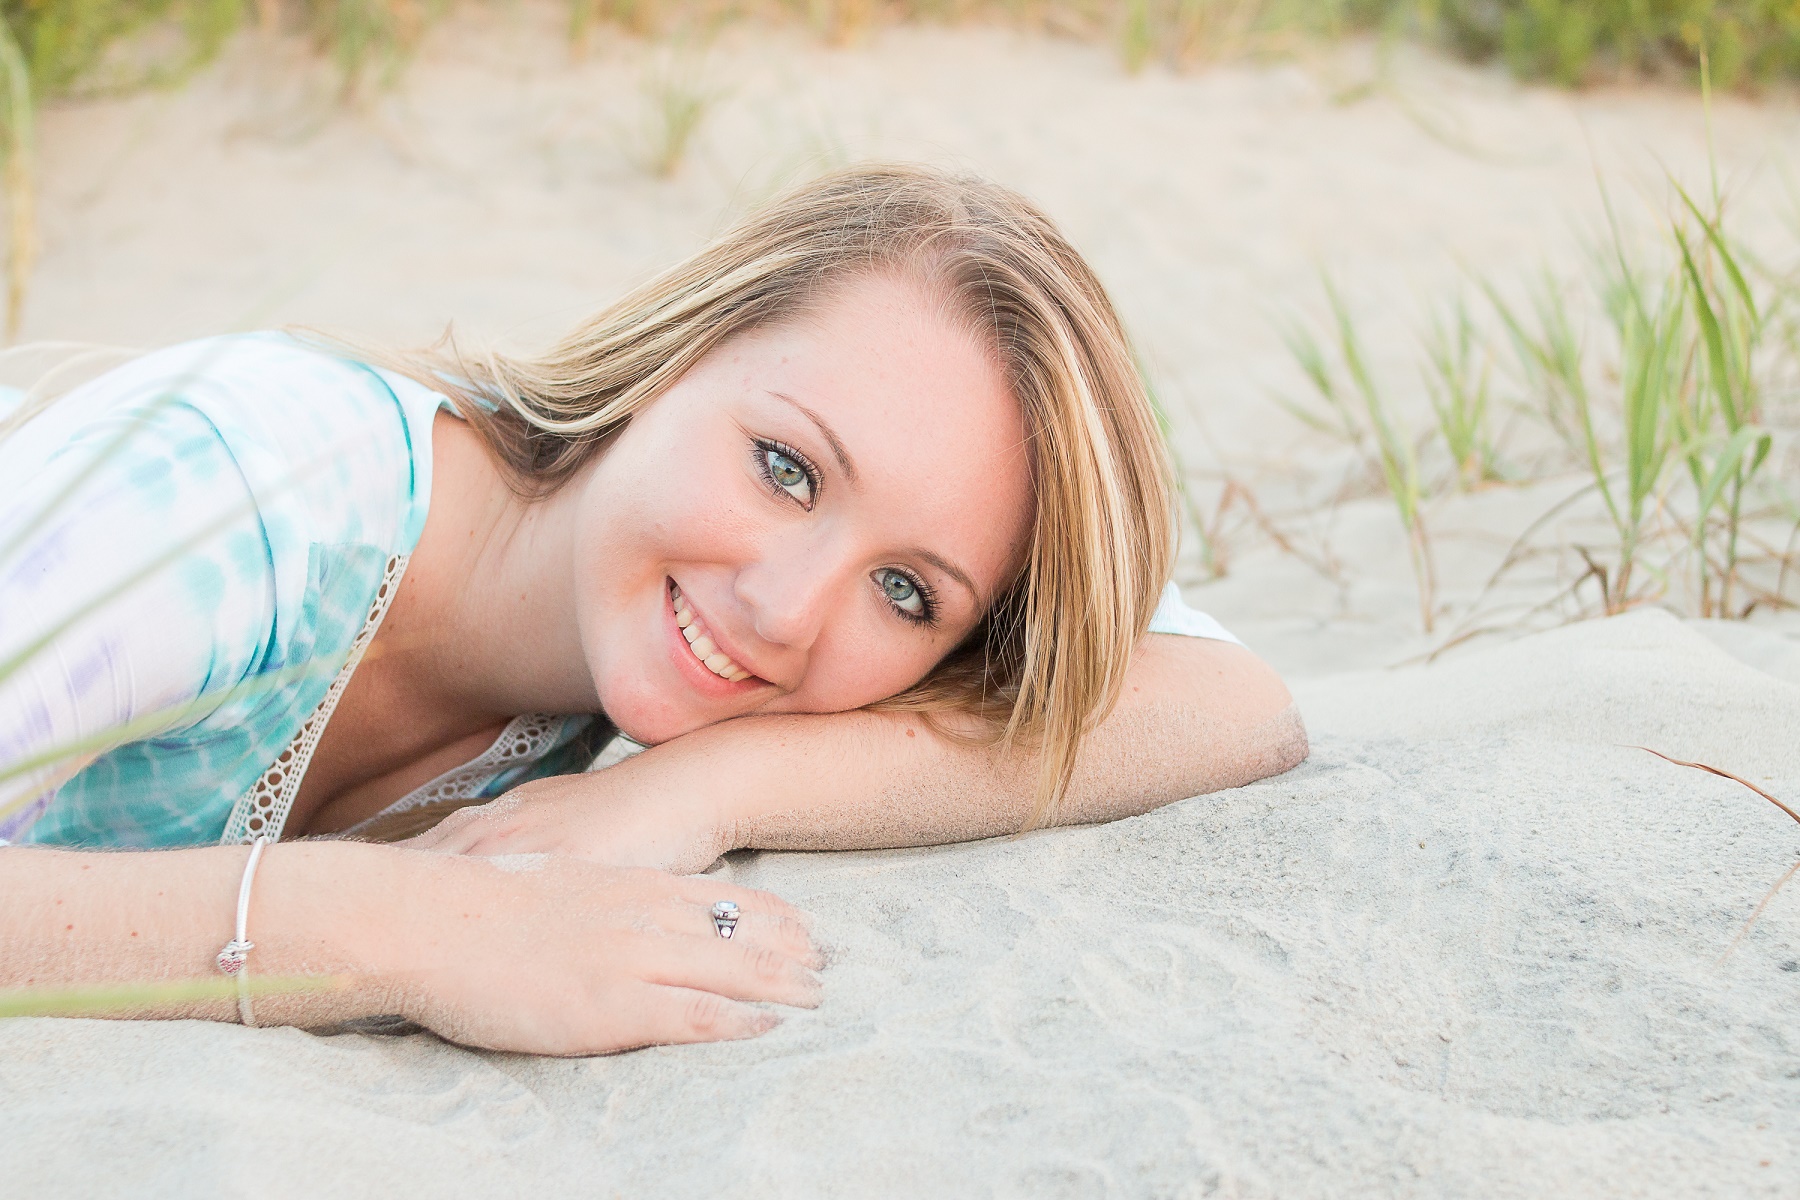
x: 662, y: 507
x: 646, y: 518
x: 860, y: 662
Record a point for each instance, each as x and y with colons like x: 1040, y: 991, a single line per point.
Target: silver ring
x: 725, y: 918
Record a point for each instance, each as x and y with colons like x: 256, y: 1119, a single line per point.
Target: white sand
x: 1470, y: 949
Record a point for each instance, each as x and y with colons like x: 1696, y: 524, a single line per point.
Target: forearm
x: 870, y: 780
x: 1194, y: 717
x: 1191, y: 721
x: 77, y: 918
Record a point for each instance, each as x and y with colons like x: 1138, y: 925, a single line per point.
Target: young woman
x: 857, y: 519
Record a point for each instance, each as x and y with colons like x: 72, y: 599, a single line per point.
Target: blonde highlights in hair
x: 1047, y: 661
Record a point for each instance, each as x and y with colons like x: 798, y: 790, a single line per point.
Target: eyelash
x: 926, y: 593
x: 760, y: 450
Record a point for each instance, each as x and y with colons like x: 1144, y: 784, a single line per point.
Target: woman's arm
x: 1194, y: 716
x: 542, y: 956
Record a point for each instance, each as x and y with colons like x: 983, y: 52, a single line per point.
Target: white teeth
x: 714, y: 659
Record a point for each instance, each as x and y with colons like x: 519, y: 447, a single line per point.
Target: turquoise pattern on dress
x: 215, y: 759
x: 294, y: 475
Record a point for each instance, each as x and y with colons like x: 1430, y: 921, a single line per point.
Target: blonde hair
x: 1046, y: 663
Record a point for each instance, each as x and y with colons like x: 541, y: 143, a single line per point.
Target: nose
x: 790, y: 591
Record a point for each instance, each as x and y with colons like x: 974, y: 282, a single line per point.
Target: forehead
x: 922, y: 409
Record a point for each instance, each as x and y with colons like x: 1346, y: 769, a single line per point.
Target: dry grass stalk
x: 1757, y: 912
x: 1779, y: 883
x: 1723, y: 775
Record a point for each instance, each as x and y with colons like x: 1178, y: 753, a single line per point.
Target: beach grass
x: 676, y: 103
x: 133, y: 997
x: 1654, y: 376
x: 1349, y: 403
x: 129, y: 999
x: 50, y: 48
x: 1459, y: 380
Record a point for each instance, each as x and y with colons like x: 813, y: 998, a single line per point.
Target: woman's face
x: 808, y: 521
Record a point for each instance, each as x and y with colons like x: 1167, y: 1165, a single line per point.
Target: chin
x: 644, y: 718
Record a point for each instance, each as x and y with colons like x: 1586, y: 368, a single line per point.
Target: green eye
x: 788, y: 475
x: 901, y: 591
x: 786, y: 471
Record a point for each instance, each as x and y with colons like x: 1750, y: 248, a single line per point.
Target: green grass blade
x: 1726, y: 467
x: 1722, y: 374
x: 1728, y: 260
x: 122, y: 998
x: 20, y: 170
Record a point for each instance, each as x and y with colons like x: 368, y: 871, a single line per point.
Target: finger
x: 734, y: 969
x: 778, y: 931
x: 678, y: 1015
x: 762, y: 917
x: 704, y: 890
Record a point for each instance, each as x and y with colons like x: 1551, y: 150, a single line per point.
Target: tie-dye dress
x: 192, y: 547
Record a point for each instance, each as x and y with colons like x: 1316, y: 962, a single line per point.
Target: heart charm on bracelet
x: 231, y: 959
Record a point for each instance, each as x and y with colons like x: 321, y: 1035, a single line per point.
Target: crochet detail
x: 525, y: 739
x: 263, y: 810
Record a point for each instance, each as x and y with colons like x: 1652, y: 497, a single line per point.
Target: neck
x: 486, y: 617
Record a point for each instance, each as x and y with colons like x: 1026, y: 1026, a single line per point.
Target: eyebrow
x: 952, y: 570
x: 827, y: 432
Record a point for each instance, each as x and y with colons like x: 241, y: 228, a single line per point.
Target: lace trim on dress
x: 263, y: 810
x: 525, y: 739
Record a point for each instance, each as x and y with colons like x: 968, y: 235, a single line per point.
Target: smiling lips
x: 701, y: 646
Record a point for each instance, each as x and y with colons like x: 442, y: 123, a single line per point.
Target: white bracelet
x: 236, y: 953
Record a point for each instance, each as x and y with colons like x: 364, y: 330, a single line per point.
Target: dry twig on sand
x: 1779, y: 883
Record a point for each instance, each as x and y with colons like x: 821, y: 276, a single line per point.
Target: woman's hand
x: 547, y: 955
x: 537, y: 954
x: 587, y: 816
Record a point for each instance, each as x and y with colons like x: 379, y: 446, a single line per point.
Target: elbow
x: 1286, y: 741
x: 1270, y: 735
x: 1265, y: 736
x: 1275, y: 738
x: 1234, y: 758
x: 1221, y: 717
